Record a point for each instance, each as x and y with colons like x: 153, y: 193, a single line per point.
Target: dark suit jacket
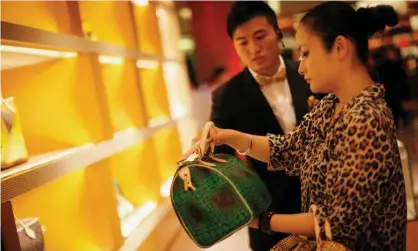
x: 240, y: 105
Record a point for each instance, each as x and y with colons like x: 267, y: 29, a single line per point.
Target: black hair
x: 335, y: 18
x: 244, y: 11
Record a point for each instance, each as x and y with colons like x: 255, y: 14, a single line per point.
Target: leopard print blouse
x: 350, y: 168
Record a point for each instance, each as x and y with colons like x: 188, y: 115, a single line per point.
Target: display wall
x: 100, y: 90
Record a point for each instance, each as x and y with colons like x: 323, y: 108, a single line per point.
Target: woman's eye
x: 303, y: 55
x: 261, y: 37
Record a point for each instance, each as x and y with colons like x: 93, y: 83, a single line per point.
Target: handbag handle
x: 200, y: 145
x: 328, y: 234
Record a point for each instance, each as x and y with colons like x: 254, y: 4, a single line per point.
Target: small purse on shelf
x: 215, y: 195
x: 298, y: 243
x: 13, y: 147
x: 30, y: 232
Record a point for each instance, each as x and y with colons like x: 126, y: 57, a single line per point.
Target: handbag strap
x: 205, y: 140
x: 328, y: 233
x: 202, y: 144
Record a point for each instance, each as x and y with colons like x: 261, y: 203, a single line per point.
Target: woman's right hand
x: 218, y: 135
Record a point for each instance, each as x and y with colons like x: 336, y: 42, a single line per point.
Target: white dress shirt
x: 279, y: 97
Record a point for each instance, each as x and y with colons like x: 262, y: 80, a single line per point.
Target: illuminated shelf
x: 96, y: 73
x: 14, y: 57
x: 144, y: 226
x: 20, y: 35
x: 45, y: 168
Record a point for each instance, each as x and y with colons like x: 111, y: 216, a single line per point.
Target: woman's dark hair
x: 335, y: 18
x: 244, y: 11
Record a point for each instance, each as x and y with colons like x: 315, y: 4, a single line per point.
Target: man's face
x: 257, y: 45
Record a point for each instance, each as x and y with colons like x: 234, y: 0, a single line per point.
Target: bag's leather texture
x: 298, y: 243
x: 216, y: 195
x: 13, y: 147
x: 31, y: 237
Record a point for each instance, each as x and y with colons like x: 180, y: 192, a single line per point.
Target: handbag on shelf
x: 298, y: 243
x: 13, y: 147
x: 30, y: 233
x: 215, y: 195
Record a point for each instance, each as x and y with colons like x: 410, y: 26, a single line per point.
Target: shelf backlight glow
x: 166, y: 187
x: 38, y: 52
x: 110, y: 60
x: 140, y: 3
x: 147, y: 64
x: 132, y: 222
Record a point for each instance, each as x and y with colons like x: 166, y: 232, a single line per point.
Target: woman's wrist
x: 237, y: 140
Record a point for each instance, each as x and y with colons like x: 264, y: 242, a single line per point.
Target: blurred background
x: 104, y: 96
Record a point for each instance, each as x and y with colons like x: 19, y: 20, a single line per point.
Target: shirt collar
x: 282, y: 66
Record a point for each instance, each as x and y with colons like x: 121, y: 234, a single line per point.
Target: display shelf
x: 131, y: 168
x: 15, y: 56
x: 177, y: 86
x: 168, y: 151
x: 90, y: 84
x: 55, y: 14
x: 77, y: 210
x: 108, y: 21
x: 148, y: 35
x: 144, y: 234
x: 42, y: 169
x: 153, y: 90
x: 53, y: 108
x: 122, y: 92
x: 24, y: 36
x: 169, y: 30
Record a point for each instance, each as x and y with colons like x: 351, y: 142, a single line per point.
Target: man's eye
x: 243, y: 43
x: 261, y: 37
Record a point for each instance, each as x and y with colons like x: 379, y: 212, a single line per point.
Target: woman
x: 345, y: 150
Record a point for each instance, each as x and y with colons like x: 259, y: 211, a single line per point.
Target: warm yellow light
x: 146, y: 64
x: 132, y: 222
x: 140, y: 3
x: 110, y: 60
x: 158, y: 121
x: 166, y: 187
x: 38, y: 52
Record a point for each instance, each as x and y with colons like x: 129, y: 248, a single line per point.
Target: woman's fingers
x: 197, y: 137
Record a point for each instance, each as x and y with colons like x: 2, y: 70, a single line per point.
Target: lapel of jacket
x: 259, y: 104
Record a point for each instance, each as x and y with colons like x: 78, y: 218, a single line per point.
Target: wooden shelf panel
x: 169, y: 31
x: 154, y: 93
x: 19, y: 35
x: 16, y: 57
x: 78, y: 210
x: 147, y: 29
x: 109, y: 21
x: 168, y: 151
x: 53, y: 108
x: 137, y: 174
x: 123, y: 95
x: 24, y: 36
x: 149, y: 231
x: 46, y: 168
x: 178, y: 90
x: 54, y: 16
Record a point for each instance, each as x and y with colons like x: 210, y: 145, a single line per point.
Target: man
x: 254, y: 102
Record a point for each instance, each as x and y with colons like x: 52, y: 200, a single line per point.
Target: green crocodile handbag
x: 215, y: 195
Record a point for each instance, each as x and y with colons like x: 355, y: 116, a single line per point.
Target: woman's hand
x: 218, y: 135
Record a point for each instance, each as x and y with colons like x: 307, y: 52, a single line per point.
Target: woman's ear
x: 341, y: 46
